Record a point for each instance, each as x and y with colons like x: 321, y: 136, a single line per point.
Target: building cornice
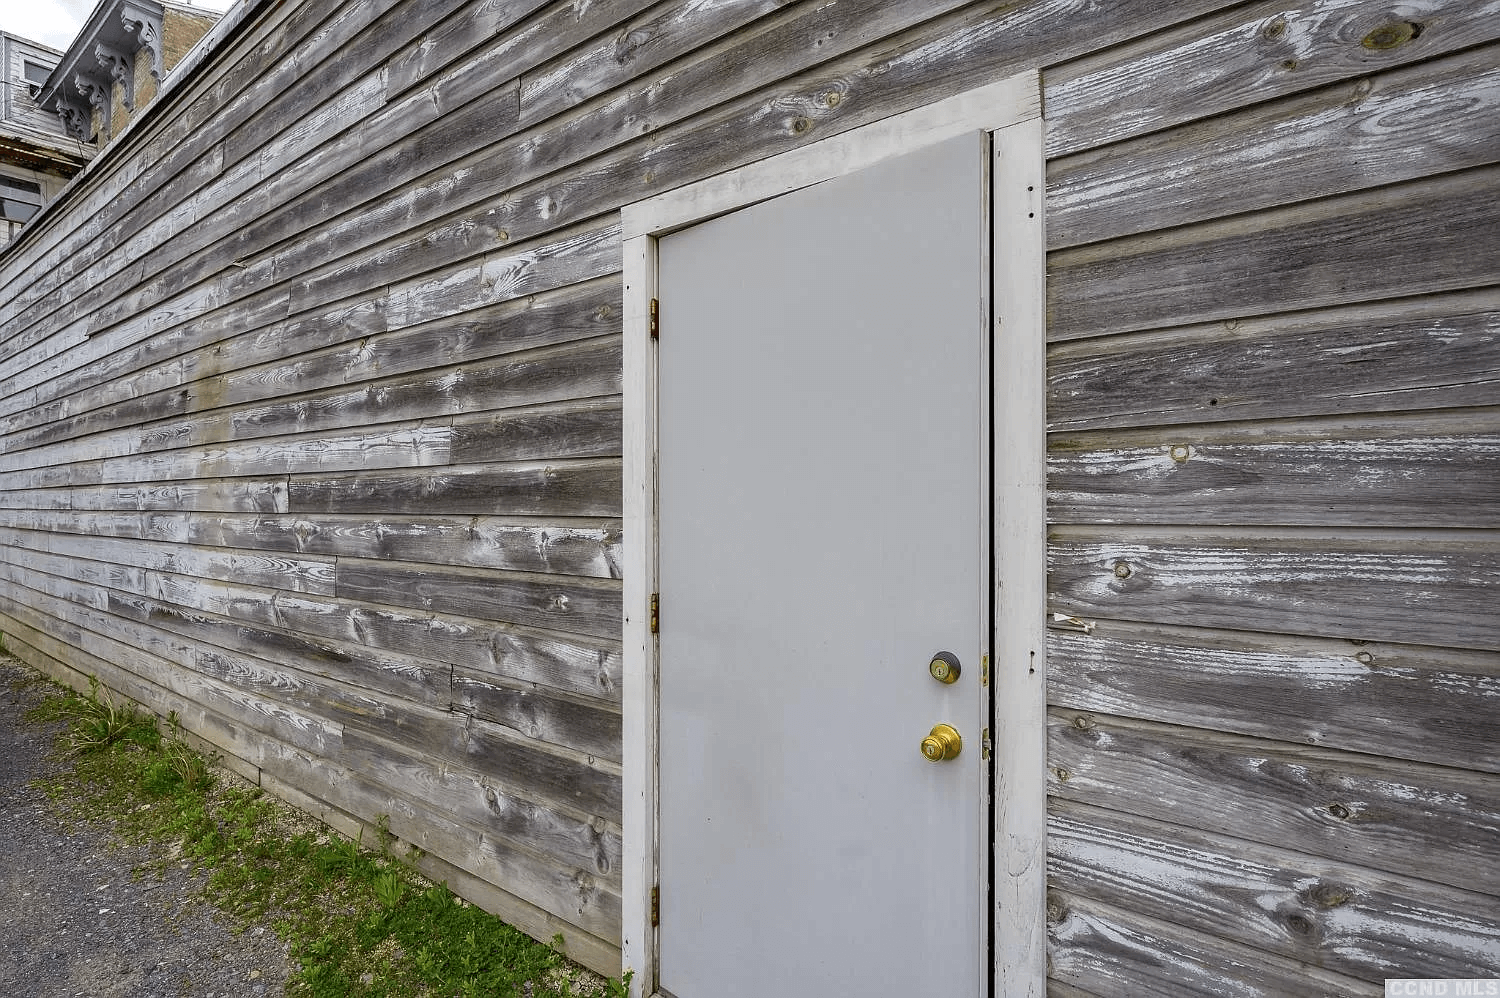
x: 103, y: 54
x: 143, y: 19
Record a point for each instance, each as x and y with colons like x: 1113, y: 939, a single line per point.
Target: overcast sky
x: 55, y: 22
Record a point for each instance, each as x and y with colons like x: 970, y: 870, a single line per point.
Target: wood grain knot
x: 1057, y: 910
x: 1330, y: 895
x: 1301, y: 924
x: 1338, y: 811
x: 1390, y: 36
x: 630, y: 43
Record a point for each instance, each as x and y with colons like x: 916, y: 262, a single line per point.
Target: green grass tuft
x: 360, y: 923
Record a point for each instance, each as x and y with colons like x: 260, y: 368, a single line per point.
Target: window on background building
x: 36, y: 75
x: 19, y: 199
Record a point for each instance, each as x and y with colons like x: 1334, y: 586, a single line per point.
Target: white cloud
x: 56, y: 22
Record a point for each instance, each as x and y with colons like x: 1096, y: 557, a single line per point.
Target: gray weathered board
x: 310, y: 431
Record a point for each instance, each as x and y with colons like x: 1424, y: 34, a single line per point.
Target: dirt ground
x: 79, y: 922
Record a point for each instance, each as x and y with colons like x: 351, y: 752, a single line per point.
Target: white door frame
x: 1011, y: 110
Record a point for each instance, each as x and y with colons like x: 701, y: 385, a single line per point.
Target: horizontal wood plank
x: 240, y: 685
x: 587, y: 727
x: 182, y: 385
x: 577, y: 371
x: 570, y: 257
x: 1441, y: 472
x: 599, y: 954
x: 587, y: 548
x: 481, y: 800
x: 455, y: 36
x: 1251, y: 53
x: 410, y: 445
x: 1429, y: 236
x: 584, y: 607
x: 572, y: 663
x: 561, y: 488
x: 1434, y: 352
x: 312, y: 575
x: 1116, y: 953
x: 247, y: 495
x: 381, y: 673
x: 585, y: 373
x: 1380, y: 588
x: 1399, y: 701
x: 759, y: 127
x: 252, y: 680
x: 633, y: 48
x: 1360, y: 923
x: 704, y: 81
x: 1426, y: 822
x: 587, y: 429
x: 589, y: 784
x: 572, y: 781
x: 1426, y: 119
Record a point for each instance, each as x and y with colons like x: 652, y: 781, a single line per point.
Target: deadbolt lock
x: 944, y: 667
x: 943, y: 742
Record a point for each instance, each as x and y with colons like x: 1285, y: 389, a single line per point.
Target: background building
x: 37, y: 155
x: 116, y: 65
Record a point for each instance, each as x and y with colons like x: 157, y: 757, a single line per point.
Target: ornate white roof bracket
x: 75, y: 119
x: 121, y: 68
x: 100, y: 95
x: 145, y: 23
x: 110, y: 50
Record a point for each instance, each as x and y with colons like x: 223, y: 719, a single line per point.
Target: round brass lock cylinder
x: 942, y: 743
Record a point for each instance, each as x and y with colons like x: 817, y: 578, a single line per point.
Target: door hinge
x: 655, y: 318
x: 655, y: 612
x: 984, y: 744
x: 655, y: 906
x: 984, y: 670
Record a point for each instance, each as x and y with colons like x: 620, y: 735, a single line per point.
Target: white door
x: 823, y: 424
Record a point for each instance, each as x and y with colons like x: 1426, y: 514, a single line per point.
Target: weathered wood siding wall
x: 1274, y: 486
x: 310, y: 402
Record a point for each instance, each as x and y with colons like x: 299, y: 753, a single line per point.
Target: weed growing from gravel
x: 359, y: 922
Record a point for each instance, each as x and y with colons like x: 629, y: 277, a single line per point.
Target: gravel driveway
x: 75, y: 920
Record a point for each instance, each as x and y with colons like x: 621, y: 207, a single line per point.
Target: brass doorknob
x: 943, y: 742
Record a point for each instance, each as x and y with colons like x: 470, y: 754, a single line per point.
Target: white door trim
x: 1019, y: 529
x: 1011, y: 109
